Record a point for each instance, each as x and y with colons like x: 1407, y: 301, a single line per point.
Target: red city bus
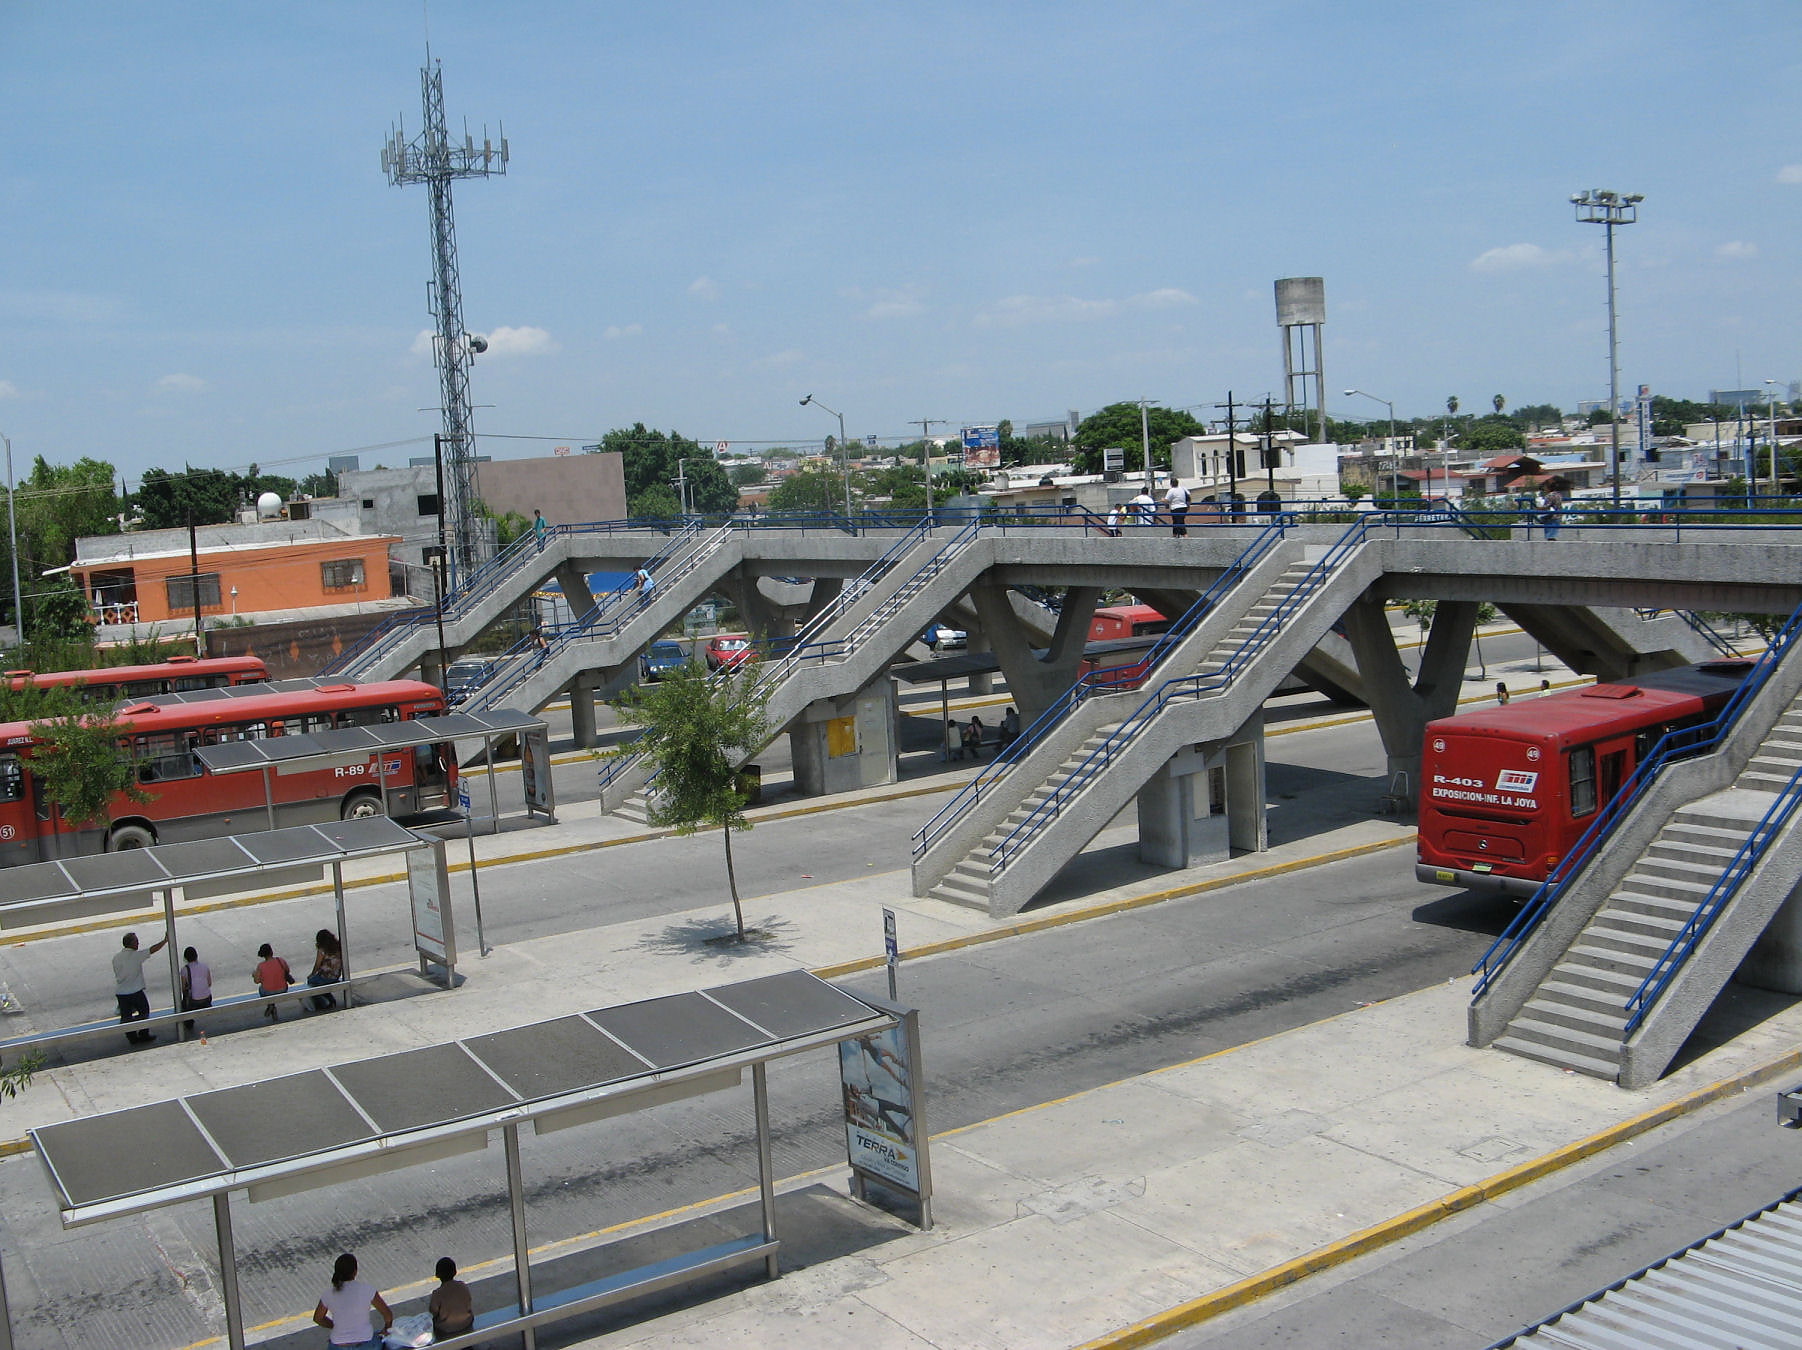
x: 1507, y: 791
x: 1111, y: 622
x: 186, y: 802
x: 177, y: 675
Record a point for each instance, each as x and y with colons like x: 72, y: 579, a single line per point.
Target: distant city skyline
x: 962, y: 212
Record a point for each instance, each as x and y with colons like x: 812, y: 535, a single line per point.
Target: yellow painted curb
x: 1156, y: 1327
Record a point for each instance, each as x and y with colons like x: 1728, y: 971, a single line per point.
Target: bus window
x: 187, y: 684
x: 311, y: 724
x: 141, y: 689
x: 244, y: 731
x: 162, y: 759
x: 368, y: 717
x: 12, y: 779
x: 1582, y: 780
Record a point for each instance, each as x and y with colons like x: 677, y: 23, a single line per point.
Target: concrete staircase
x: 1577, y: 1017
x: 1224, y: 678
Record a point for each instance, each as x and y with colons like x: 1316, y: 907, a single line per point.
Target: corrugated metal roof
x: 1740, y: 1288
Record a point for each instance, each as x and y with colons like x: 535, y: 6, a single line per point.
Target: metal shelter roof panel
x: 279, y: 1118
x: 791, y: 1004
x: 38, y: 881
x: 229, y: 755
x: 679, y: 1029
x: 371, y: 834
x: 134, y: 869
x: 416, y: 1088
x: 128, y: 1153
x: 204, y: 856
x: 548, y: 1058
x: 238, y: 756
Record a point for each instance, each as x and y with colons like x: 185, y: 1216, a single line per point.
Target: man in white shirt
x: 1177, y: 499
x: 1142, y: 507
x: 128, y: 985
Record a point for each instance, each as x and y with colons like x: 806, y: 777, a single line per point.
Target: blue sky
x: 964, y: 212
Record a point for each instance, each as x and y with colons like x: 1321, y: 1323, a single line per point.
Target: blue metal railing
x: 1100, y: 681
x: 1673, y: 746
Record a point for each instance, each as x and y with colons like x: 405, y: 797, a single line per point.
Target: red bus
x: 186, y: 802
x: 177, y: 675
x: 1506, y: 792
x: 1126, y: 621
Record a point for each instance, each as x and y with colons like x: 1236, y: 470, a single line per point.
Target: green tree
x: 808, y: 490
x: 1451, y: 406
x: 903, y: 485
x: 745, y: 475
x: 1538, y: 415
x: 697, y: 728
x: 657, y: 502
x: 649, y: 460
x: 1491, y: 435
x: 1118, y: 425
x: 164, y: 499
x: 79, y: 758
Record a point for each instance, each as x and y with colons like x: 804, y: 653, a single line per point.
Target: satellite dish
x: 269, y: 506
x: 478, y: 345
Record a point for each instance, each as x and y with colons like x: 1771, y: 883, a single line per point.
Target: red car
x: 729, y: 650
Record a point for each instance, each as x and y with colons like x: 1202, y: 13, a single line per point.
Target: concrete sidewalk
x: 1107, y: 1218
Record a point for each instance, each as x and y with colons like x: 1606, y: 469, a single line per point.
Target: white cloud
x: 8, y: 389
x: 1790, y: 173
x: 1167, y: 297
x: 1517, y: 257
x: 1735, y: 249
x: 181, y: 384
x: 422, y: 343
x: 1015, y: 310
x: 522, y: 341
x: 704, y: 288
x: 613, y: 332
x: 782, y: 360
x: 889, y: 304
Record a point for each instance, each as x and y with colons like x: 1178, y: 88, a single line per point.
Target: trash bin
x: 750, y: 783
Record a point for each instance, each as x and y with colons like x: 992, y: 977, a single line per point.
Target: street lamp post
x: 1596, y: 206
x: 1772, y: 386
x: 12, y: 534
x: 843, y: 449
x: 1395, y: 460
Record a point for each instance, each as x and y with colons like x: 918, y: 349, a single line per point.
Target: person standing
x: 539, y: 528
x: 1113, y: 521
x: 646, y: 584
x: 453, y: 1310
x: 273, y: 976
x: 1554, y: 503
x: 128, y: 985
x: 196, y: 985
x: 1177, y: 499
x: 344, y: 1309
x: 1142, y: 507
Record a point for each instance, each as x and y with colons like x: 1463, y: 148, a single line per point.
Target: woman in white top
x: 196, y: 984
x: 344, y: 1308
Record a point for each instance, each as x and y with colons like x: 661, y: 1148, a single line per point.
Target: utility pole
x: 1270, y: 445
x: 926, y: 426
x: 430, y: 158
x: 1232, y: 453
x: 194, y: 587
x: 1145, y: 435
x: 12, y: 534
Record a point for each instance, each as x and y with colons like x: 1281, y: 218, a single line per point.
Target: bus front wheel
x: 129, y: 836
x: 361, y: 806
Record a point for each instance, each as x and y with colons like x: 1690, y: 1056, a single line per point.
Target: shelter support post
x: 269, y: 794
x: 766, y: 1170
x: 6, y: 1317
x: 174, y: 948
x: 475, y: 885
x: 343, y: 930
x: 494, y: 796
x: 516, y: 1203
x: 228, y: 1273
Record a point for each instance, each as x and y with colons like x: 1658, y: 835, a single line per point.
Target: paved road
x: 1480, y: 1277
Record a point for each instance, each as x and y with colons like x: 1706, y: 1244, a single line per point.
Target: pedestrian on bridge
x: 646, y: 584
x: 539, y: 528
x: 1177, y: 499
x: 1143, y: 508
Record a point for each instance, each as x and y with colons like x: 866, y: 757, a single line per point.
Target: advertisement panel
x: 982, y: 447
x: 885, y: 1134
x: 428, y: 892
x: 535, y: 772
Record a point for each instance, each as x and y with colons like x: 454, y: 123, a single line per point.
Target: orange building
x: 148, y: 577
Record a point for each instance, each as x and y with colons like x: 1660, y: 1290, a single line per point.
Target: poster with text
x: 879, y: 1107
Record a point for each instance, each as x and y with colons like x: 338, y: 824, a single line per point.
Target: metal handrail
x: 1685, y: 743
x: 1096, y: 682
x: 1183, y: 686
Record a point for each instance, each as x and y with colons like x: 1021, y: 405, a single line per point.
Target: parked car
x: 943, y: 639
x: 729, y: 650
x: 661, y: 657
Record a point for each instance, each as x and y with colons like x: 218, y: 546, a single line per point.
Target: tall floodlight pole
x: 430, y: 158
x: 926, y: 426
x: 1395, y: 459
x: 1776, y: 481
x: 12, y: 534
x: 1596, y: 206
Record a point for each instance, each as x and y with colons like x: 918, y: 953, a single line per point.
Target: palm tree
x: 1451, y: 406
x: 1500, y: 403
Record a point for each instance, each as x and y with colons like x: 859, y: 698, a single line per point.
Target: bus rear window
x: 368, y: 717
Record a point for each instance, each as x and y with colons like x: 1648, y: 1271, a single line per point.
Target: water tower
x: 1300, y: 313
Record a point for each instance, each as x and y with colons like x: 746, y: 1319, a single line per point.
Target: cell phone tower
x: 432, y: 159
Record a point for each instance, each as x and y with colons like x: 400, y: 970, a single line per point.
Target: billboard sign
x: 982, y: 447
x: 428, y: 890
x: 885, y: 1130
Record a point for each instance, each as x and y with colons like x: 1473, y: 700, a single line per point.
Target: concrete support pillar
x: 1775, y: 961
x: 841, y: 744
x: 1207, y: 803
x: 1402, y: 710
x: 582, y: 692
x: 430, y: 670
x: 754, y: 609
x: 1034, y: 681
x: 574, y: 584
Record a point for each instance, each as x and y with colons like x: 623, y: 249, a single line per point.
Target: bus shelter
x: 352, y: 748
x: 117, y: 884
x: 328, y: 1126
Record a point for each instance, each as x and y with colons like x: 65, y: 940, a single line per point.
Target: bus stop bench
x: 627, y: 1284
